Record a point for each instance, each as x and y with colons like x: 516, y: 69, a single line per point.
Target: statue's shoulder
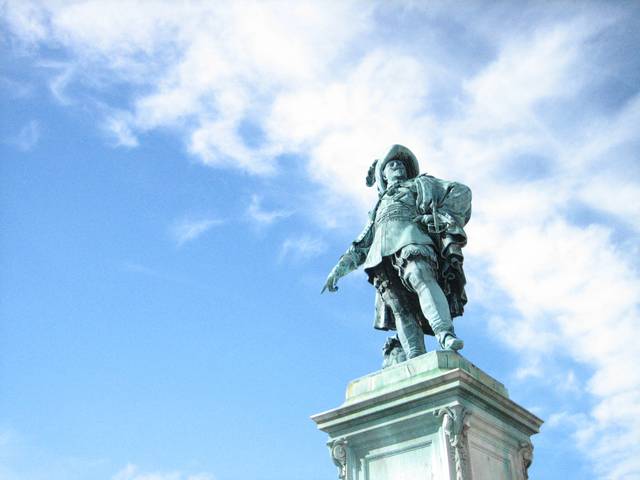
x: 424, y: 179
x: 446, y: 185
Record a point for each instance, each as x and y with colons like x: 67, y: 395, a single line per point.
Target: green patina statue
x: 411, y: 252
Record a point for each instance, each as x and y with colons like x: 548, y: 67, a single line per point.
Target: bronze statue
x: 411, y: 252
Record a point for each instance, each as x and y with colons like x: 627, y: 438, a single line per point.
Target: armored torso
x: 394, y: 226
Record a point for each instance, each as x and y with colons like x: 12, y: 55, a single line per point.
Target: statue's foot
x: 411, y: 355
x: 452, y: 343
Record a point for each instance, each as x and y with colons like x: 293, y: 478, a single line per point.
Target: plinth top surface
x: 434, y: 379
x: 424, y: 367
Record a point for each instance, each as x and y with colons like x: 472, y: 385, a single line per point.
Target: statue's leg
x: 409, y: 332
x: 420, y: 275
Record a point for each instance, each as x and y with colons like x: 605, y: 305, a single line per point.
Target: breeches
x: 413, y: 270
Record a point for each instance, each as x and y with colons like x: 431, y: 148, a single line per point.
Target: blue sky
x: 177, y: 179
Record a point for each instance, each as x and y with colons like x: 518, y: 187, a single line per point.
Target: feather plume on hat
x: 371, y: 174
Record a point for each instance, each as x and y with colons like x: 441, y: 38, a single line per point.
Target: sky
x: 178, y: 178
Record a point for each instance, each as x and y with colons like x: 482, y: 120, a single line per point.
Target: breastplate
x: 400, y: 206
x: 394, y: 226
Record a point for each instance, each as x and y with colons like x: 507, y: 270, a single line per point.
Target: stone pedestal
x: 436, y: 416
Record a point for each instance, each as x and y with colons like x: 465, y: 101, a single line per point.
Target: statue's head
x: 393, y: 171
x: 399, y: 164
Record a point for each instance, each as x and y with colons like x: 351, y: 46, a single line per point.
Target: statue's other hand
x: 331, y: 284
x: 424, y: 219
x: 444, y: 221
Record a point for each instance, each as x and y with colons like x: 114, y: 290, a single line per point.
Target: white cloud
x: 26, y: 19
x: 119, y: 129
x: 261, y: 216
x: 27, y: 137
x: 60, y: 81
x: 301, y: 248
x: 565, y: 419
x: 132, y: 472
x: 348, y: 123
x: 189, y: 229
x: 204, y: 67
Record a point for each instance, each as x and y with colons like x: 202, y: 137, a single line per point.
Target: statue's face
x: 394, y: 171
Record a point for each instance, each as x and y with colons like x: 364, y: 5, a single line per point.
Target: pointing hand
x: 331, y: 283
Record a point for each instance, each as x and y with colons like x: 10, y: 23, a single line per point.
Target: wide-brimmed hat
x: 397, y: 152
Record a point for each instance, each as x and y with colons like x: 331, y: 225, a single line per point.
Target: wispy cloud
x: 188, y: 230
x: 27, y: 137
x: 59, y: 83
x: 564, y: 419
x: 301, y: 248
x: 139, y: 268
x: 158, y: 274
x: 118, y: 128
x: 61, y: 74
x: 14, y: 88
x: 132, y: 472
x: 262, y: 216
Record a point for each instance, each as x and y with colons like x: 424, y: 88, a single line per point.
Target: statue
x: 411, y: 252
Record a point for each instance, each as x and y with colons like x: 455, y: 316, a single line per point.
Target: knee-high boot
x: 433, y: 304
x: 409, y: 332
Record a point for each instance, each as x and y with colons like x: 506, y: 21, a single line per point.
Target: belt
x: 396, y: 214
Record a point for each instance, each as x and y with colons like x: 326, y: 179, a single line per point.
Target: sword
x: 434, y: 212
x: 435, y: 227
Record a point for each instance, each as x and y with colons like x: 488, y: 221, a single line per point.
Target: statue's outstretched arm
x: 348, y: 262
x: 355, y: 256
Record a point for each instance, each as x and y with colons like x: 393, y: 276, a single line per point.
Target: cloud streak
x: 189, y: 230
x: 259, y: 215
x: 301, y: 248
x: 27, y: 137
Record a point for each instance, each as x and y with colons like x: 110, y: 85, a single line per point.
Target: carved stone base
x: 436, y: 416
